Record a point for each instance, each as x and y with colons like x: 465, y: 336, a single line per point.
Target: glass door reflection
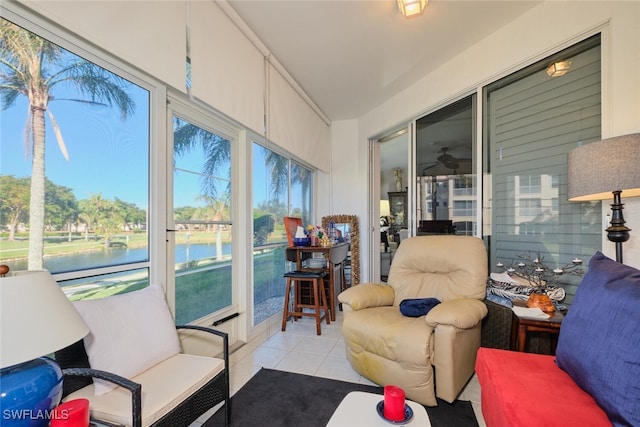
x: 445, y: 171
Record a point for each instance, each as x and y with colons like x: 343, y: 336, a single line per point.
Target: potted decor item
x: 315, y: 233
x: 301, y: 238
x: 398, y: 174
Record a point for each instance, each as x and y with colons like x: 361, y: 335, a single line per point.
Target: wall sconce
x: 412, y: 7
x: 558, y: 69
x: 598, y: 169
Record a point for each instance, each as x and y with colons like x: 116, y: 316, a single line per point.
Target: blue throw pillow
x: 417, y: 307
x: 599, y: 343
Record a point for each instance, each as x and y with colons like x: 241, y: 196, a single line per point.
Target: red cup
x: 74, y: 413
x: 394, y: 403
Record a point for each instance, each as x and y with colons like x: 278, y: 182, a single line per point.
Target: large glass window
x: 74, y: 167
x: 202, y: 217
x: 532, y: 120
x: 281, y: 188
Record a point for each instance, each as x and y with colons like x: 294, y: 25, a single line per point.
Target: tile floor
x: 300, y: 350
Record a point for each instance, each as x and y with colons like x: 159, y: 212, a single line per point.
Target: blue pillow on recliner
x: 417, y: 307
x: 599, y: 343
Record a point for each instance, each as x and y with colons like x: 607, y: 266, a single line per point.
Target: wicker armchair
x: 173, y: 392
x: 496, y: 327
x: 77, y: 374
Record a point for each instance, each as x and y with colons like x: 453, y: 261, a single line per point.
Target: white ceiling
x: 350, y: 56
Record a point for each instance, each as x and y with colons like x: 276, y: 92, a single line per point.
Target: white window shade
x: 295, y: 126
x: 227, y: 69
x: 146, y: 38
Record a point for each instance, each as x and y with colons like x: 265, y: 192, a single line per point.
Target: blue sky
x: 106, y: 155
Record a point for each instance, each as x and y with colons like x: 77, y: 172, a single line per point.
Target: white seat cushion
x: 164, y: 386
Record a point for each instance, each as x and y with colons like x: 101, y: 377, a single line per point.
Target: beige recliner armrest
x: 367, y: 295
x: 456, y: 326
x: 463, y: 313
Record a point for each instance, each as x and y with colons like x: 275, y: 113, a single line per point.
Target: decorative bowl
x: 301, y: 241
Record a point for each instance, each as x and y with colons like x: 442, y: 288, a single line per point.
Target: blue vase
x: 28, y: 393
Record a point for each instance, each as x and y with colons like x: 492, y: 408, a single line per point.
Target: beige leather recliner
x: 389, y: 348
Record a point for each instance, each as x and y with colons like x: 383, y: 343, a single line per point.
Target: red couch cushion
x: 523, y: 389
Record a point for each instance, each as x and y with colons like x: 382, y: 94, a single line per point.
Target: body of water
x: 106, y: 257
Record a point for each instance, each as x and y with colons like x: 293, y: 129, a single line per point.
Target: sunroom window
x: 282, y: 188
x: 74, y: 167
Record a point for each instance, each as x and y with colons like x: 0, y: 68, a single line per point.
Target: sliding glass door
x: 445, y: 168
x: 532, y: 120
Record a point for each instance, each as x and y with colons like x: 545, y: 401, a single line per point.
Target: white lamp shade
x: 385, y: 208
x: 598, y: 168
x: 36, y: 317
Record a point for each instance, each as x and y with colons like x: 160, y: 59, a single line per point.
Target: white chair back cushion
x: 130, y: 333
x: 445, y: 267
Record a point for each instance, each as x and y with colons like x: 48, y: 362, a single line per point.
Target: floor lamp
x: 600, y: 169
x: 37, y: 320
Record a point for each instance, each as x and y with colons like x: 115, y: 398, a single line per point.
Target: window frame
x: 203, y: 116
x: 157, y: 95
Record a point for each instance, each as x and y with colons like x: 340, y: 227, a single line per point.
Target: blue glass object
x: 28, y: 393
x: 301, y: 241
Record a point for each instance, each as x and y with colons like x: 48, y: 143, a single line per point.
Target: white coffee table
x: 358, y: 409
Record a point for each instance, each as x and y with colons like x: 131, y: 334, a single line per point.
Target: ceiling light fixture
x: 412, y: 7
x: 558, y: 69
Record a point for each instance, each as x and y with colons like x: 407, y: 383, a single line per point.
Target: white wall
x: 545, y: 29
x: 345, y: 158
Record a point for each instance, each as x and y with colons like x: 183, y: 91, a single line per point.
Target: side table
x: 358, y: 408
x: 521, y: 325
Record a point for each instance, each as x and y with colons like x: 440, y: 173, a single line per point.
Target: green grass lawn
x: 202, y: 287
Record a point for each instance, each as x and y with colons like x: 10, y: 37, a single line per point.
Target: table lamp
x: 37, y: 319
x: 598, y: 169
x: 385, y: 212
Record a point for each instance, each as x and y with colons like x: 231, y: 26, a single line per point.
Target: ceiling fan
x: 447, y: 160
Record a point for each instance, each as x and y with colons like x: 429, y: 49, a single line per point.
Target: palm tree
x: 187, y: 136
x: 217, y: 152
x: 216, y: 210
x: 33, y: 67
x: 279, y: 173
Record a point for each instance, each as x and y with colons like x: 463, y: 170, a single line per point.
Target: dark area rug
x: 276, y: 398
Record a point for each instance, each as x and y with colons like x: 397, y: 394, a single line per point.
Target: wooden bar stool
x: 316, y: 301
